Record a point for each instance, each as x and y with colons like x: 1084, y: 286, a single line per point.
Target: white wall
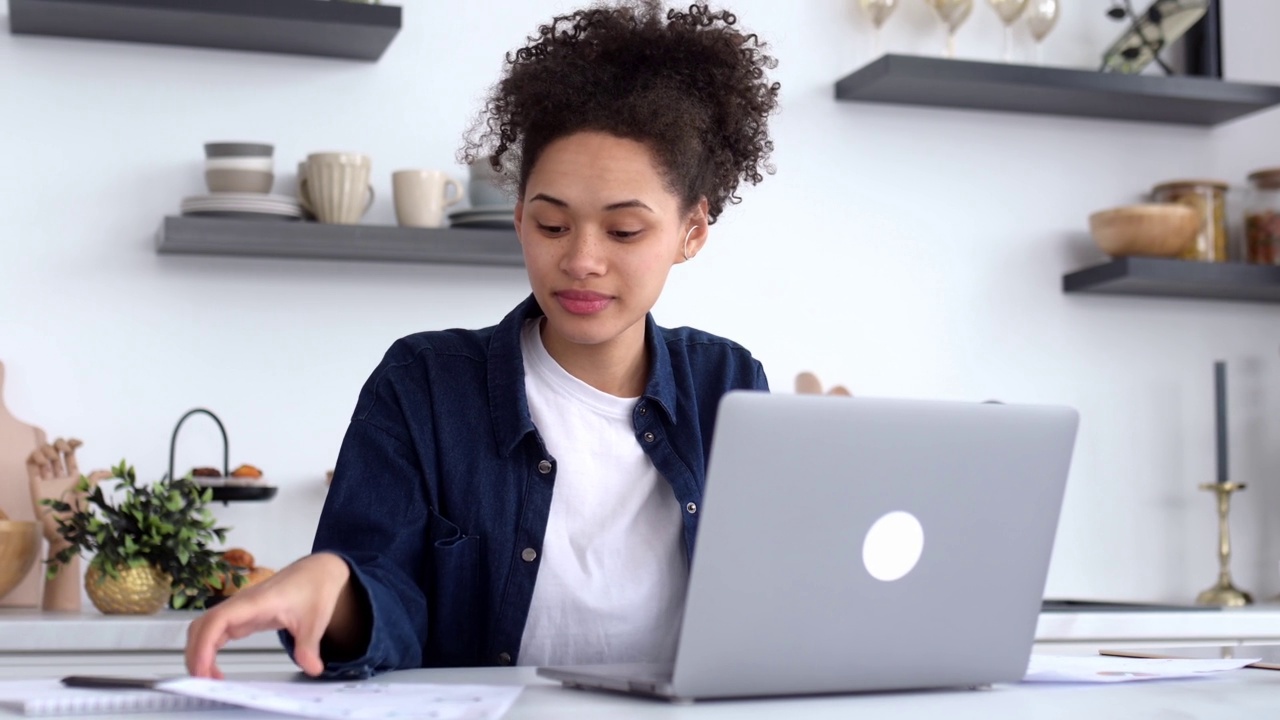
x: 903, y: 251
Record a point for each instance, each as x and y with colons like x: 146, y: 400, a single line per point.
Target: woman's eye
x: 625, y: 234
x: 551, y: 229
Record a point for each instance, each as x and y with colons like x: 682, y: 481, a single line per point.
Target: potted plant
x: 150, y: 545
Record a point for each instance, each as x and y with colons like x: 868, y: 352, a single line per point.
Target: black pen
x: 110, y: 682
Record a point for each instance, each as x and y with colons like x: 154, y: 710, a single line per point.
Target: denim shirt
x: 442, y: 488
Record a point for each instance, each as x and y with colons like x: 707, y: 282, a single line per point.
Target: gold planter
x: 139, y: 591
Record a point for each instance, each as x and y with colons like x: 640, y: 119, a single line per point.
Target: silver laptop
x: 851, y: 544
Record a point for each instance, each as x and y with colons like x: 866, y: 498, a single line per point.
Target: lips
x: 583, y: 302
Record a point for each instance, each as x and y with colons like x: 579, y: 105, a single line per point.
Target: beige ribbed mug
x: 336, y: 187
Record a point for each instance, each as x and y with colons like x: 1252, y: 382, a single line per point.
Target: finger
x: 840, y: 390
x: 54, y: 459
x: 808, y: 384
x: 205, y: 637
x: 98, y: 476
x: 38, y: 465
x: 73, y: 467
x: 306, y: 649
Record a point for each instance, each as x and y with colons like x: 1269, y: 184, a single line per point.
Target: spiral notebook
x: 36, y: 698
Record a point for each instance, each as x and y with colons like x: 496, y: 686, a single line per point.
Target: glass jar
x: 1210, y: 198
x: 1262, y: 217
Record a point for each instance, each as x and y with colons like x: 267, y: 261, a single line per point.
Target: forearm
x: 350, y: 628
x: 62, y: 591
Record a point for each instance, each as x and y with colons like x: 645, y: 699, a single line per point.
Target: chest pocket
x: 457, y: 605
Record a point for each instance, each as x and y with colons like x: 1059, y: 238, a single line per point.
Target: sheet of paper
x: 356, y: 700
x: 1102, y: 669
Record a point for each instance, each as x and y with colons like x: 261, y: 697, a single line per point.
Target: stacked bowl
x: 240, y: 176
x: 239, y: 167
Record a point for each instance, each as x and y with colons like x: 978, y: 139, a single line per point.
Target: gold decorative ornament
x: 1224, y: 593
x: 138, y: 591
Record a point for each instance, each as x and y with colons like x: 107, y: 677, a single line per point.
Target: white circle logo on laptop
x: 893, y: 546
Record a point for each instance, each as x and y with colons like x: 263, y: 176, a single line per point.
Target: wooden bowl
x: 19, y: 549
x: 1159, y: 229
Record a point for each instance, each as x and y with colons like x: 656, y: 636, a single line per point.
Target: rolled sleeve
x: 375, y: 519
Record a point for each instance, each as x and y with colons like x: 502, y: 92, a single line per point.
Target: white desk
x: 1241, y: 695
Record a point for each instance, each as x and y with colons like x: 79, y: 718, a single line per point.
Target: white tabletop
x: 1232, y: 696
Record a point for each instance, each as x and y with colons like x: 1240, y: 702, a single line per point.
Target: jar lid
x: 1182, y: 184
x: 1267, y: 178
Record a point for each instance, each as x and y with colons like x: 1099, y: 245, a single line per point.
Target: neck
x: 619, y: 367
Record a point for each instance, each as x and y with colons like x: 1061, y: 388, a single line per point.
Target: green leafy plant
x: 165, y: 524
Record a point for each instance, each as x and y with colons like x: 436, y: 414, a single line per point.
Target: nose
x: 583, y: 255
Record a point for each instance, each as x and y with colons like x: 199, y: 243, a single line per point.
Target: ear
x: 697, y: 229
x: 519, y: 219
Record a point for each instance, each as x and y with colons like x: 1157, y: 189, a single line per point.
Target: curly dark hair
x: 688, y: 84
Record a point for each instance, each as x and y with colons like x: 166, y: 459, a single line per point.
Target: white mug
x: 485, y: 188
x: 421, y: 197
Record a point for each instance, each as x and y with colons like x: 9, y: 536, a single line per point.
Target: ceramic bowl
x: 239, y: 163
x: 19, y: 549
x: 237, y: 149
x: 243, y: 181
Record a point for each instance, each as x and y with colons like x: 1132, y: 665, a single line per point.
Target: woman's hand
x: 313, y: 599
x: 808, y: 384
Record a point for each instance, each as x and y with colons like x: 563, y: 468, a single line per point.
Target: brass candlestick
x: 1225, y: 593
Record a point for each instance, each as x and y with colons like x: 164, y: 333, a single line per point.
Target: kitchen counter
x: 36, y: 644
x: 1254, y: 625
x: 87, y: 632
x: 23, y: 630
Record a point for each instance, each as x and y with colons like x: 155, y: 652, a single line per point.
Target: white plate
x: 277, y: 209
x: 239, y: 215
x: 237, y: 201
x: 265, y: 197
x: 241, y: 206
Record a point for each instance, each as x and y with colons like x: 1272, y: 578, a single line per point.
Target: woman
x: 528, y: 493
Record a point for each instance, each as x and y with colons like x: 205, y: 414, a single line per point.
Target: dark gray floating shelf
x: 966, y: 84
x: 319, y: 241
x: 1162, y: 277
x: 326, y: 28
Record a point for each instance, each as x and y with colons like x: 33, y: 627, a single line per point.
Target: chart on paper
x: 356, y: 701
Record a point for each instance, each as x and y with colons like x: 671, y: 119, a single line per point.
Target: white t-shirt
x: 613, y: 573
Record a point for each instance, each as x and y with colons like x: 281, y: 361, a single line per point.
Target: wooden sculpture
x: 17, y: 440
x: 52, y: 473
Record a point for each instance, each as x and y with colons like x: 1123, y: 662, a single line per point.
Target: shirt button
x: 691, y: 507
x: 648, y: 437
x: 504, y: 658
x: 544, y: 467
x: 644, y: 410
x: 528, y: 554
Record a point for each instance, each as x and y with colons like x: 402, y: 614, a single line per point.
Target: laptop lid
x: 810, y: 498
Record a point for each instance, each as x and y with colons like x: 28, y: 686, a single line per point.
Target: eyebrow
x: 611, y: 206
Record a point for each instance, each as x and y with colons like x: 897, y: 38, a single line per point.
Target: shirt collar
x: 508, y: 403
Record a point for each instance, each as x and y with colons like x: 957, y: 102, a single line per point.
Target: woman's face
x: 600, y: 231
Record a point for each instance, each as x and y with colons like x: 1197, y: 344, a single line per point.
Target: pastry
x: 206, y: 472
x: 239, y: 558
x: 246, y: 471
x: 242, y: 562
